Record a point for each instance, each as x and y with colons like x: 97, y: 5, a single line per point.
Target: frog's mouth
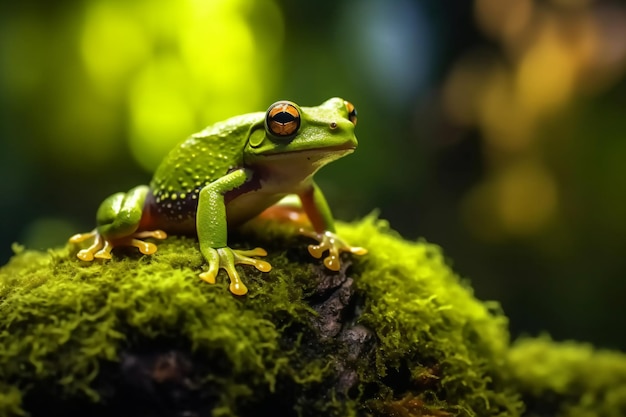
x: 301, y: 163
x: 316, y: 156
x: 313, y: 153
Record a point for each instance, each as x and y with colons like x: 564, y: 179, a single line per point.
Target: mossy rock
x: 568, y: 379
x: 395, y: 332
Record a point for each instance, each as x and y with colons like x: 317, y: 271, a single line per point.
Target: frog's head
x: 312, y: 136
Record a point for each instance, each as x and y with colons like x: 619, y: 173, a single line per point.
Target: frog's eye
x: 282, y: 119
x: 351, y: 112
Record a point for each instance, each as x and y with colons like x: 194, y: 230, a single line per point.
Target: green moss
x: 68, y: 327
x: 569, y: 379
x: 430, y: 324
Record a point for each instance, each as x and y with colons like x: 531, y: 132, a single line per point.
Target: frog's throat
x: 304, y: 163
x: 318, y: 156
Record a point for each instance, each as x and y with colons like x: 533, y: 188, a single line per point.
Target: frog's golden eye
x: 282, y: 119
x: 351, y: 112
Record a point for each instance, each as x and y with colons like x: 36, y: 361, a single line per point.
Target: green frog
x: 228, y: 174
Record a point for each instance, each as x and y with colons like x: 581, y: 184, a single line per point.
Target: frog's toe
x: 146, y: 248
x: 85, y: 255
x: 357, y: 250
x: 92, y: 251
x: 136, y: 240
x: 316, y: 251
x: 105, y: 252
x: 81, y: 237
x: 213, y: 259
x: 102, y: 246
x: 251, y: 252
x: 333, y: 262
x: 103, y: 255
x: 155, y: 234
x: 208, y: 276
x: 225, y: 258
x: 326, y: 242
x: 236, y: 286
x: 245, y: 257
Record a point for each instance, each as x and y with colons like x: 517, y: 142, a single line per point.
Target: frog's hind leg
x: 118, y: 218
x: 288, y: 211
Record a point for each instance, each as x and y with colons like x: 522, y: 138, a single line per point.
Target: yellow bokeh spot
x: 504, y: 19
x: 525, y: 198
x: 545, y: 78
x: 506, y: 126
x: 464, y: 87
x: 113, y: 43
x: 150, y: 72
x: 222, y: 59
x: 520, y: 201
x: 160, y: 115
x: 205, y: 66
x: 571, y: 4
x: 180, y: 65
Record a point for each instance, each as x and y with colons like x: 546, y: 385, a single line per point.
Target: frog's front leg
x: 319, y: 214
x: 212, y: 229
x: 118, y: 219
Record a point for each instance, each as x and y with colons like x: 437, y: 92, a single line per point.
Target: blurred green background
x: 496, y: 129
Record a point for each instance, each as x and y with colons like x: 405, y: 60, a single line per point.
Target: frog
x: 228, y: 174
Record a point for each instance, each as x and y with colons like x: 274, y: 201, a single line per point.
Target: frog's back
x: 199, y: 160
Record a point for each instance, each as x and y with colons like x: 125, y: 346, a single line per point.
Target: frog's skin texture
x: 226, y: 175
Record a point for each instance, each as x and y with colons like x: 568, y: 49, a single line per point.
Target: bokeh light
x: 180, y: 63
x: 552, y: 55
x: 174, y: 66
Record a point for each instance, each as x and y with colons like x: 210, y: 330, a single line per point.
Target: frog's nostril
x: 333, y: 125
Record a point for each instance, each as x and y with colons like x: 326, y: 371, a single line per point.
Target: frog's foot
x: 101, y: 246
x: 226, y: 258
x: 328, y: 241
x: 97, y: 245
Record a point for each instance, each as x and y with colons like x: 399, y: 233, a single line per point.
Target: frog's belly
x: 181, y: 218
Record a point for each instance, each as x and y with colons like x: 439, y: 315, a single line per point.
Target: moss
x: 569, y: 379
x: 394, y: 333
x: 434, y: 334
